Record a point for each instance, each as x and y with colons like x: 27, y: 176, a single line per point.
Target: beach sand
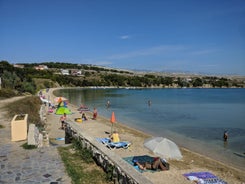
x: 191, y: 162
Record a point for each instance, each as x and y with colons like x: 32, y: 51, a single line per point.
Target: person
x: 95, y: 113
x: 156, y: 164
x: 149, y: 103
x: 84, y: 118
x: 63, y: 120
x: 115, y: 137
x: 225, y: 136
x: 108, y: 104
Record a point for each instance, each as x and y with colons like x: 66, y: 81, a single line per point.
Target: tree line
x: 28, y: 79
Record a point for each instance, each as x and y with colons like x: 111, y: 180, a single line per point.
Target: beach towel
x: 113, y: 145
x: 141, y: 159
x: 103, y: 140
x: 204, y: 178
x: 60, y: 139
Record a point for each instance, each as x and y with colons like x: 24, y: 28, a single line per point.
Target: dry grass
x: 80, y: 170
x: 29, y: 105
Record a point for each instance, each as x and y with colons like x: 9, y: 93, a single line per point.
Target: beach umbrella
x: 113, y: 120
x: 44, y: 100
x: 60, y: 99
x: 163, y: 147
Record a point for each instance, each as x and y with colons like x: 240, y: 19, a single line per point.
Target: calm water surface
x: 193, y: 118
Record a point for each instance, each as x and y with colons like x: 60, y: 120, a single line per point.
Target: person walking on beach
x: 63, y: 120
x: 95, y: 113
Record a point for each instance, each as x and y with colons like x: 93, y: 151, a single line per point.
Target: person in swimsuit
x: 115, y: 137
x: 95, y: 113
x: 225, y: 136
x: 156, y: 164
x: 63, y: 120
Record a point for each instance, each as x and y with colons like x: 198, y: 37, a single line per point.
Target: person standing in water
x: 149, y: 103
x: 225, y: 136
x: 108, y: 104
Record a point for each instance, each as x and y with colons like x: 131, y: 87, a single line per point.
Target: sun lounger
x: 113, y: 145
x: 121, y: 144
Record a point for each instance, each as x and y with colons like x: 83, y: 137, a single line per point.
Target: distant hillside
x: 32, y: 77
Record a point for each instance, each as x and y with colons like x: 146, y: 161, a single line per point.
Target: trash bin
x: 19, y: 127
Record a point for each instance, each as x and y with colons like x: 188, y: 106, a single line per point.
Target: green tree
x: 197, y: 82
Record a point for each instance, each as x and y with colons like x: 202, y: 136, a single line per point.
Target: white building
x: 65, y: 72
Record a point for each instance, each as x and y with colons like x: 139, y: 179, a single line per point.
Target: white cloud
x: 124, y: 37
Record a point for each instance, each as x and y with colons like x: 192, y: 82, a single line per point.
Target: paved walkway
x: 20, y: 166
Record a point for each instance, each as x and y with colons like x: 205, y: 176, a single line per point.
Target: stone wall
x: 123, y: 173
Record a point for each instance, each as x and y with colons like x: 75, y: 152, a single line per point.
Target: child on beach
x: 62, y: 120
x: 84, y: 118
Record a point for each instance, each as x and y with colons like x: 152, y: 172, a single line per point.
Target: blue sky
x: 197, y: 36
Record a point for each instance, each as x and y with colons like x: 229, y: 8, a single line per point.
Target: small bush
x: 29, y: 147
x: 7, y: 93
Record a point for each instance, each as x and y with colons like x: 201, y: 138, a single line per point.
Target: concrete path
x: 20, y: 166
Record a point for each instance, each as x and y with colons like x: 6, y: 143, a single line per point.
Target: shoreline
x: 191, y: 160
x: 214, y: 149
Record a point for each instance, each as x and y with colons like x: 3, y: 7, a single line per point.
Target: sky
x: 195, y: 36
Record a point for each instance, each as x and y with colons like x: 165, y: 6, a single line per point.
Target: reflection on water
x: 225, y: 144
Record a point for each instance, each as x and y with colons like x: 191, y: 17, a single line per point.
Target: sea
x: 194, y: 118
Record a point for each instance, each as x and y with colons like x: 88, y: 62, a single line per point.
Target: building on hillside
x: 41, y: 67
x: 65, y: 72
x: 76, y: 72
x: 19, y: 66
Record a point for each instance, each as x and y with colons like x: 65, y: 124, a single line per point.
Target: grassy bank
x: 81, y: 167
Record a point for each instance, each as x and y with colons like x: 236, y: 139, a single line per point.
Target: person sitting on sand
x: 156, y: 164
x: 95, y: 113
x: 84, y: 118
x: 115, y: 137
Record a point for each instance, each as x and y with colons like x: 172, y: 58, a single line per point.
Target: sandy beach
x: 191, y: 162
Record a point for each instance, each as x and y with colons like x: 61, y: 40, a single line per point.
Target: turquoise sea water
x: 193, y: 118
